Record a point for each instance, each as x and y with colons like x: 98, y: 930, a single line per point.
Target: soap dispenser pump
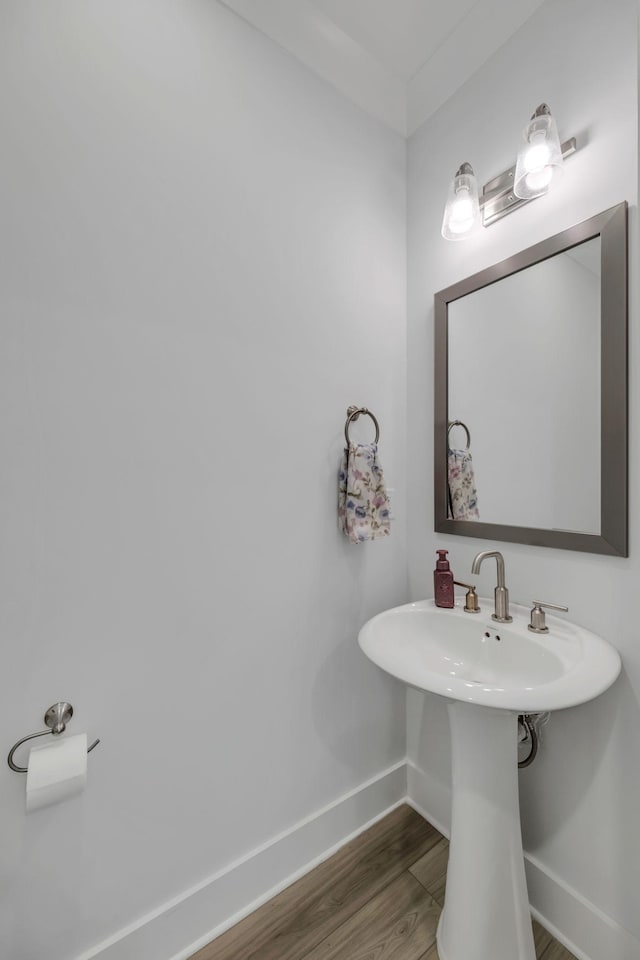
x: 443, y: 581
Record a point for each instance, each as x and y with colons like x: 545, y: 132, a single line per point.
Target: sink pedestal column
x: 486, y: 913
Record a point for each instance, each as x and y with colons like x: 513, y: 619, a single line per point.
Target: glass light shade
x: 539, y: 158
x: 462, y: 210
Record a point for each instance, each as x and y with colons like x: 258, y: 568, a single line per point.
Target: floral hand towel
x: 463, y: 498
x: 363, y: 504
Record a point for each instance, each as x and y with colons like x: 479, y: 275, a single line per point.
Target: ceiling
x: 401, y: 34
x: 400, y: 60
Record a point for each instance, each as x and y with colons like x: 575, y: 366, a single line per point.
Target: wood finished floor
x: 378, y: 898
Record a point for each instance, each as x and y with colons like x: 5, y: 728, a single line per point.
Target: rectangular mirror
x: 531, y: 394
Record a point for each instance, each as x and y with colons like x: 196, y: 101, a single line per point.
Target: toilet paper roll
x: 56, y: 771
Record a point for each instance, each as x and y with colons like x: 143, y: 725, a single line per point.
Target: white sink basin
x: 459, y: 656
x: 489, y: 673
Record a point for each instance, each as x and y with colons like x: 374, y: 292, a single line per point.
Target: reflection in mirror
x: 531, y: 401
x: 531, y: 376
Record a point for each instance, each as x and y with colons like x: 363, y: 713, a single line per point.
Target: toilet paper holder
x: 56, y: 718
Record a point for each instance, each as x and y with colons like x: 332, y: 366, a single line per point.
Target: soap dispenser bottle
x: 443, y: 581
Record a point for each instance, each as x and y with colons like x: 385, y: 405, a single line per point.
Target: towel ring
x: 56, y: 718
x: 459, y: 423
x: 352, y: 414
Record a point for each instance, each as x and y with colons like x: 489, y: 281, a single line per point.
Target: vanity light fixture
x: 539, y: 163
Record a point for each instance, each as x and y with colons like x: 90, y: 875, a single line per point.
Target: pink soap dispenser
x: 443, y: 581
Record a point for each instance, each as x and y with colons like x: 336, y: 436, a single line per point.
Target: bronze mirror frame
x: 611, y: 227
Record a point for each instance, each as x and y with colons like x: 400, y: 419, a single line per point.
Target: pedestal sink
x: 488, y: 673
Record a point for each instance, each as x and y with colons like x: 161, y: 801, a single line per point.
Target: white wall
x: 202, y: 263
x: 580, y: 799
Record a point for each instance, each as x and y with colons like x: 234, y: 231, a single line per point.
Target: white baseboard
x: 177, y: 929
x: 431, y: 799
x: 575, y: 922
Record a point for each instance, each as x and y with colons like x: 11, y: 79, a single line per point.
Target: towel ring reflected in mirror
x: 458, y: 423
x: 352, y: 414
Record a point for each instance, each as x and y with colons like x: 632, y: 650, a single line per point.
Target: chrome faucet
x: 501, y: 594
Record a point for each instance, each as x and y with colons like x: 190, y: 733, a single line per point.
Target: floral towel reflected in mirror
x: 462, y: 493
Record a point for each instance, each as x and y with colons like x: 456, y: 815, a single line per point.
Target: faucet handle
x: 471, y: 604
x: 538, y: 624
